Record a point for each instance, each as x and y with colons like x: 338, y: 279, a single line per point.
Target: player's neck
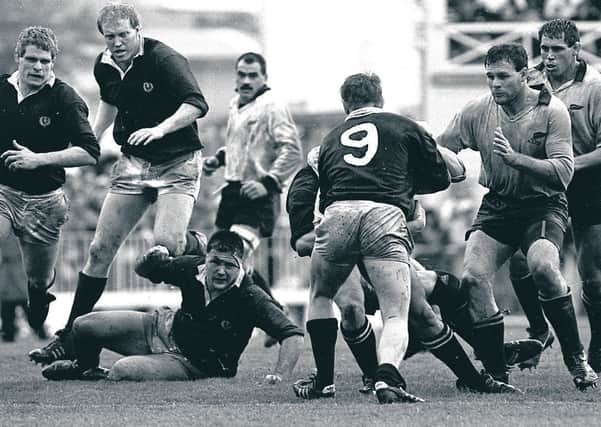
x: 522, y: 102
x: 558, y: 80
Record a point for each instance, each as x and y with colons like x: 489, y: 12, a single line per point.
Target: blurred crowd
x: 522, y: 10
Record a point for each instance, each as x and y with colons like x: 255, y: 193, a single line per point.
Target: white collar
x: 14, y: 81
x: 107, y: 58
x: 360, y: 112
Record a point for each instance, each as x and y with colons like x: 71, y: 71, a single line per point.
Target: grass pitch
x: 27, y: 399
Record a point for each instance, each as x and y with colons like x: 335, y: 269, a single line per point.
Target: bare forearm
x: 69, y: 157
x: 183, y: 116
x: 288, y: 356
x: 587, y: 160
x: 545, y: 169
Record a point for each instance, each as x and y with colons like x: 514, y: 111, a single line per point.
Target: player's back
x: 372, y: 156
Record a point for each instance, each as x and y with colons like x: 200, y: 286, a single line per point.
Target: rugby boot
x: 582, y: 374
x: 369, y: 385
x: 594, y: 358
x: 390, y: 394
x: 306, y: 388
x: 61, y: 348
x: 38, y: 306
x: 487, y: 384
x: 546, y: 338
x: 71, y: 370
x: 521, y: 351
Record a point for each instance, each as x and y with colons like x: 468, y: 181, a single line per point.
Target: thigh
x: 39, y: 260
x: 588, y: 247
x: 152, y: 367
x: 327, y: 276
x: 125, y: 331
x: 118, y: 216
x: 484, y: 255
x: 351, y: 291
x: 391, y: 281
x: 173, y: 214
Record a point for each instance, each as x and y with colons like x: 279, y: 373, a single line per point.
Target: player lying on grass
x: 204, y: 338
x: 427, y: 331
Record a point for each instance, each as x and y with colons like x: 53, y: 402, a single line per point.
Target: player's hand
x: 253, y: 190
x: 145, y: 136
x: 502, y: 147
x: 273, y: 379
x: 21, y: 158
x: 210, y: 165
x: 146, y: 265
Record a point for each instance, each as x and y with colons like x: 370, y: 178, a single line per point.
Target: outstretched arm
x: 287, y: 357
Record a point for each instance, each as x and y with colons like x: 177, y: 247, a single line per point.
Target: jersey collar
x: 14, y: 81
x: 361, y: 112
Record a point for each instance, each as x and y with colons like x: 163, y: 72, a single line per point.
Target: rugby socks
x: 389, y: 375
x: 593, y: 311
x: 448, y: 295
x: 362, y: 343
x: 447, y: 349
x: 527, y: 294
x: 561, y: 315
x: 88, y: 292
x: 323, y: 333
x: 488, y: 343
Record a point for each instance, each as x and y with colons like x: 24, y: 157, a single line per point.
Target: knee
x: 471, y: 280
x: 126, y: 370
x: 100, y: 253
x: 84, y: 325
x: 175, y: 242
x: 544, y: 275
x: 38, y: 283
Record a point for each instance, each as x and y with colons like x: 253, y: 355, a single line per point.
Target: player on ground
x: 204, y: 338
x: 148, y: 93
x: 44, y: 128
x: 369, y: 169
x: 525, y: 144
x: 578, y: 85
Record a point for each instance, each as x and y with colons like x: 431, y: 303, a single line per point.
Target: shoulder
x: 158, y: 51
x: 557, y: 105
x: 66, y: 92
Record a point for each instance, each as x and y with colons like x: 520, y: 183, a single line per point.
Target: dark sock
x: 488, y: 343
x: 362, y: 343
x: 527, y: 294
x: 390, y: 375
x: 561, y: 315
x: 593, y: 311
x: 86, y: 349
x: 323, y: 333
x: 7, y: 314
x: 446, y: 348
x: 88, y: 292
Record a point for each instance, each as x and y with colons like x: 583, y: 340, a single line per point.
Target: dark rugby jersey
x: 382, y: 157
x: 158, y: 82
x: 214, y: 335
x: 51, y: 119
x: 300, y: 203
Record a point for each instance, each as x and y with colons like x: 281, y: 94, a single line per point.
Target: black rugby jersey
x: 158, y: 82
x: 382, y: 157
x: 51, y: 119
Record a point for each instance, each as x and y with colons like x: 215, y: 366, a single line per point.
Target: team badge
x: 148, y: 87
x: 45, y: 121
x: 226, y: 325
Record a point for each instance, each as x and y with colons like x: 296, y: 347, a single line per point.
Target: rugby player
x: 525, y: 144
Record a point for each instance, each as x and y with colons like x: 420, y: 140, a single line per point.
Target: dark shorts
x: 519, y: 223
x: 260, y: 213
x: 584, y: 198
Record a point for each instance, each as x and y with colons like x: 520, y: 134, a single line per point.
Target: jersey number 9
x: 368, y: 137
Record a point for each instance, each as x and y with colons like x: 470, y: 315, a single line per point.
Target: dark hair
x: 252, y: 57
x: 117, y: 11
x: 226, y: 241
x: 560, y: 29
x: 513, y: 53
x: 360, y: 89
x: 40, y: 37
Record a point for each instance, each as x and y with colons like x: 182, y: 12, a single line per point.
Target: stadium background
x: 428, y: 53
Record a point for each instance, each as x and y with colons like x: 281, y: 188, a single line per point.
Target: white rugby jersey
x: 261, y: 140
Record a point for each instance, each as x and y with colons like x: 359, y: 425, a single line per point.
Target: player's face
x: 122, y: 40
x: 222, y: 271
x: 35, y: 68
x: 557, y: 57
x: 504, y: 82
x: 249, y: 79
